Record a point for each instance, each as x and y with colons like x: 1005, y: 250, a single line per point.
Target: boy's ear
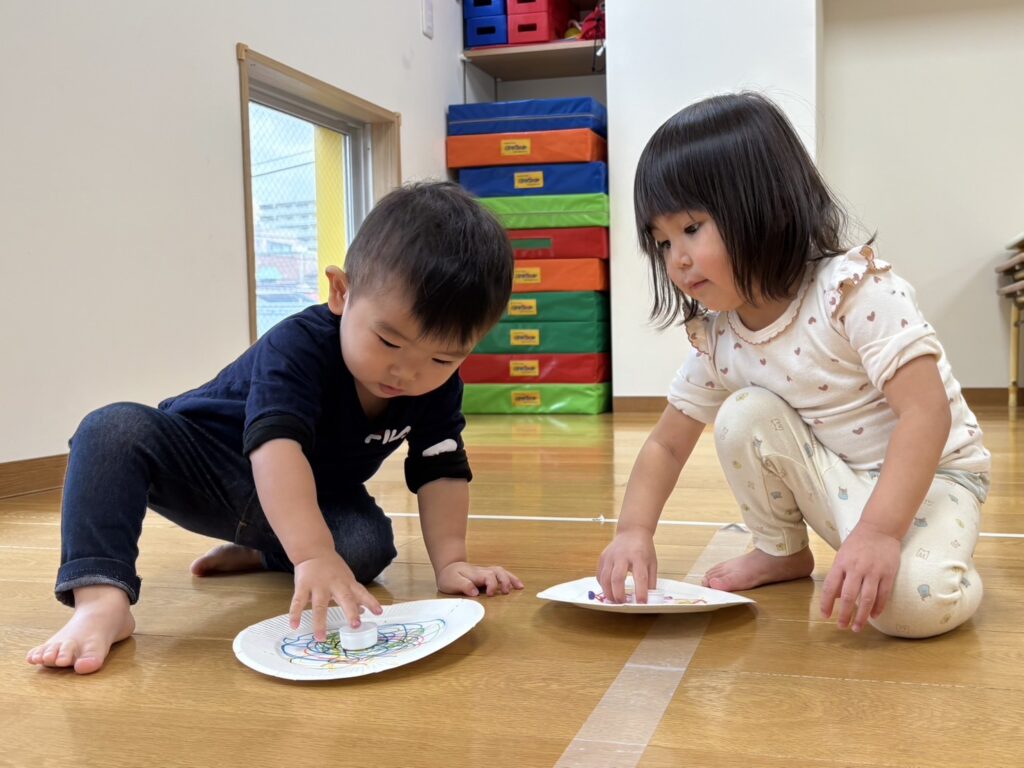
x: 337, y: 296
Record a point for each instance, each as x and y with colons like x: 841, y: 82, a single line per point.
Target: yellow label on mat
x: 526, y: 276
x: 524, y: 368
x: 510, y: 147
x: 522, y: 307
x: 529, y: 180
x: 525, y: 398
x: 524, y: 337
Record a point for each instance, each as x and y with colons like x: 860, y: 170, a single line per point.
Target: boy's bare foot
x: 227, y: 558
x: 102, y: 617
x: 756, y: 568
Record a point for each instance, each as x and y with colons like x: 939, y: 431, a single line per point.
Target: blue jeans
x: 126, y: 457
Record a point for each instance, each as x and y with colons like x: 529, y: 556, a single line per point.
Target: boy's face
x: 383, y: 347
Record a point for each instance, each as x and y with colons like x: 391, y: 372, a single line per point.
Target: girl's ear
x: 338, y: 294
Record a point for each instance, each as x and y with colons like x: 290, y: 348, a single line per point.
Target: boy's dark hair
x: 737, y: 158
x: 449, y: 253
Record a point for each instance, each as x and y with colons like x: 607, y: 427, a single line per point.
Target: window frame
x: 375, y: 133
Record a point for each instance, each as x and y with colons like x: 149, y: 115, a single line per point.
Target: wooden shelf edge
x: 569, y: 58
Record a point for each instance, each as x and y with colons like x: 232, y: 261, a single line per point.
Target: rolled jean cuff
x: 90, y: 571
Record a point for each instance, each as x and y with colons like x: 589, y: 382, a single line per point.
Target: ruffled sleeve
x: 697, y: 333
x: 848, y: 271
x: 877, y: 311
x: 697, y: 389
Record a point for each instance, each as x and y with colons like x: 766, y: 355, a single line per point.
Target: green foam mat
x: 540, y: 211
x: 559, y: 306
x: 568, y: 337
x: 537, y: 398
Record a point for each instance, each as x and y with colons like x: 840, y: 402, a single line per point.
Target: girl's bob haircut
x: 737, y: 158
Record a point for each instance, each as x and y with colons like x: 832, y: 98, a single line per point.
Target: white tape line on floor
x: 622, y: 724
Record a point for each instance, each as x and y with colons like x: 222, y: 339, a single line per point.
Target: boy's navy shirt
x: 293, y: 383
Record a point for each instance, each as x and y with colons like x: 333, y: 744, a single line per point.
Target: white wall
x: 553, y: 88
x: 122, y: 250
x: 663, y: 55
x: 923, y: 133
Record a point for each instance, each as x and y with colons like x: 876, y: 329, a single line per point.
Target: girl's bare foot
x: 102, y: 617
x: 756, y: 568
x: 227, y: 558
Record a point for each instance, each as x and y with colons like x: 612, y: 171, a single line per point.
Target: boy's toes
x: 60, y: 654
x: 90, y: 661
x: 66, y: 656
x: 50, y: 653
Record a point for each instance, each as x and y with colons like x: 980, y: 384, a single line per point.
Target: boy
x: 272, y: 454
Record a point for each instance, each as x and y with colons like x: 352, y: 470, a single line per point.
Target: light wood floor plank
x: 773, y: 685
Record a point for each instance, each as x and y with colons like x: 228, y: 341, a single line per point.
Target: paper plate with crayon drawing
x: 405, y: 632
x: 670, y: 597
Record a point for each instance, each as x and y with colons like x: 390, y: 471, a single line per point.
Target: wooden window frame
x: 384, y: 133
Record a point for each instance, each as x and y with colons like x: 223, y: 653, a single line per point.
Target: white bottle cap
x: 359, y: 638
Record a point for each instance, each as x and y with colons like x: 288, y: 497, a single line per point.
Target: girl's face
x: 696, y: 259
x: 699, y: 265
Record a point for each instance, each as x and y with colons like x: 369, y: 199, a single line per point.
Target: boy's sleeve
x: 285, y: 388
x: 436, y: 449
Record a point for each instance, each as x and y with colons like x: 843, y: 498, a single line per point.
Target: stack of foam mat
x: 539, y: 165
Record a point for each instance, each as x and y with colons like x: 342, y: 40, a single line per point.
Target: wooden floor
x: 769, y: 686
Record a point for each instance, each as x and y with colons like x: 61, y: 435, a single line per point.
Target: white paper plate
x: 680, y: 597
x: 406, y: 633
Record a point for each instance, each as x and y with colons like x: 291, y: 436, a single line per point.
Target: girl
x: 832, y: 400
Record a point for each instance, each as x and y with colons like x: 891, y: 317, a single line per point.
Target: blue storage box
x: 527, y: 114
x: 550, y: 179
x: 486, y: 30
x: 472, y: 9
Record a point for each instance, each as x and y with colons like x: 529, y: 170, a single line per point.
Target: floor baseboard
x: 32, y: 475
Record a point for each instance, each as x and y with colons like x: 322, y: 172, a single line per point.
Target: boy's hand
x: 631, y: 550
x: 863, y: 574
x: 465, y: 579
x: 320, y: 579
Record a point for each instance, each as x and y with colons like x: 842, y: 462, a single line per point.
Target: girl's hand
x: 320, y: 579
x: 465, y: 579
x: 863, y: 574
x: 631, y: 550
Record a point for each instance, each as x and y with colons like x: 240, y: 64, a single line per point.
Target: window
x: 315, y: 159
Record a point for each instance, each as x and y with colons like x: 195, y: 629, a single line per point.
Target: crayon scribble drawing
x: 667, y: 600
x: 392, y: 640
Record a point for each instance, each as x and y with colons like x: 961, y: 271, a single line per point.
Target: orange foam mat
x: 560, y: 275
x: 577, y: 145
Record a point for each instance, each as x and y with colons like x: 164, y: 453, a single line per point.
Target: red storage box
x: 552, y: 369
x: 536, y: 6
x: 537, y: 27
x: 567, y: 243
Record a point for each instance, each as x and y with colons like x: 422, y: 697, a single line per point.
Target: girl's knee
x: 742, y: 406
x: 925, y: 607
